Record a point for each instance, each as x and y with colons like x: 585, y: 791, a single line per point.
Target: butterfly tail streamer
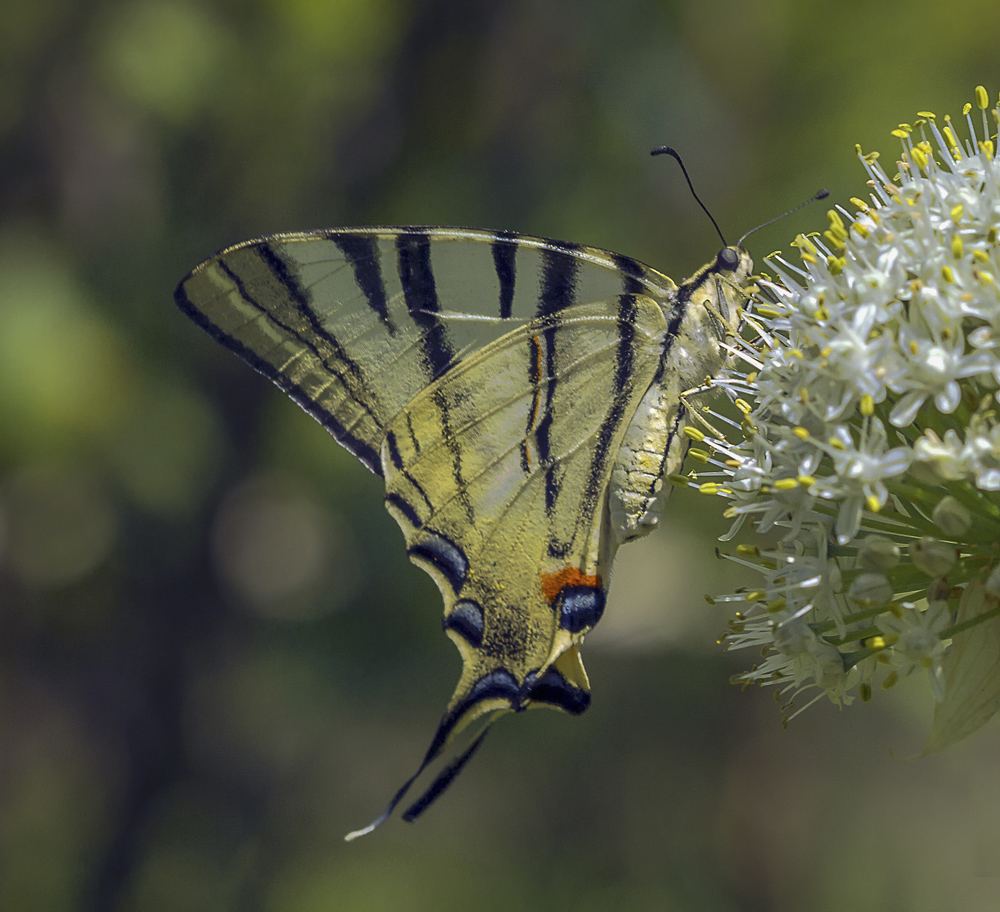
x: 437, y: 788
x: 443, y: 780
x: 387, y: 813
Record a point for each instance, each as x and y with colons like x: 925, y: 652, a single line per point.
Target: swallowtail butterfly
x: 520, y: 397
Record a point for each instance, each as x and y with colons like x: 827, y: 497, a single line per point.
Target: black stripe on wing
x: 621, y: 391
x: 413, y: 257
x: 624, y: 374
x: 633, y: 274
x: 560, y: 266
x: 362, y: 252
x: 392, y: 448
x: 416, y: 275
x: 360, y: 448
x: 504, y: 249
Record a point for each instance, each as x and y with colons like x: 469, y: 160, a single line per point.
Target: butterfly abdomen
x: 654, y: 446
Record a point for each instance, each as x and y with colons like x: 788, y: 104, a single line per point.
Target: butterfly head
x: 712, y: 301
x: 724, y: 288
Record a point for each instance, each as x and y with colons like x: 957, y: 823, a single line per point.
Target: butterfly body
x: 521, y: 399
x: 654, y: 445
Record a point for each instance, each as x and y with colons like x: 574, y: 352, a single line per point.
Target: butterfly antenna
x: 666, y: 150
x: 818, y: 195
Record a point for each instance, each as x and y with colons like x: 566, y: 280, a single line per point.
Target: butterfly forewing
x: 353, y: 324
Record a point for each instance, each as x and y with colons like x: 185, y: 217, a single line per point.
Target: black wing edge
x: 368, y: 456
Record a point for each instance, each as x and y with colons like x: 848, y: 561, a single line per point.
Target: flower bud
x: 878, y: 553
x: 952, y: 517
x: 870, y: 590
x: 933, y: 557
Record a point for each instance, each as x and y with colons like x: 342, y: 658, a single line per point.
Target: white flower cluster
x: 868, y: 468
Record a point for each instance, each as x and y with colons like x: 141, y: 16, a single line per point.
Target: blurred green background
x: 215, y: 659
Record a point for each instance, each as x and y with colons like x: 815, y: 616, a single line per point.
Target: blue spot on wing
x: 468, y: 621
x: 443, y: 554
x: 579, y: 608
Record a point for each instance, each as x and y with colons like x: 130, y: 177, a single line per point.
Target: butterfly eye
x: 728, y: 259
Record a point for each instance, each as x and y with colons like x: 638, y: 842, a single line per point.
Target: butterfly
x: 521, y: 398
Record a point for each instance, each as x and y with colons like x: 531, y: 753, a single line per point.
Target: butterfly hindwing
x: 497, y: 475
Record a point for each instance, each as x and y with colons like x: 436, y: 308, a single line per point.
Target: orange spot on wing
x: 554, y: 583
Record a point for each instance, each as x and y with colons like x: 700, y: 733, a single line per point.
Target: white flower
x: 913, y: 641
x: 871, y: 437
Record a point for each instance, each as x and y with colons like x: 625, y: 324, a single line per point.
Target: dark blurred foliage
x: 214, y: 658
